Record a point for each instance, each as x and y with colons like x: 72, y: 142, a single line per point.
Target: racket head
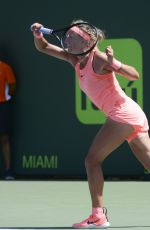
x: 79, y: 38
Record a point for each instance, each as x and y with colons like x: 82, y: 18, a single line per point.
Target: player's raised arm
x: 44, y: 46
x: 127, y: 71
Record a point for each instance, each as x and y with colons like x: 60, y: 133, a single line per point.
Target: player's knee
x: 91, y: 161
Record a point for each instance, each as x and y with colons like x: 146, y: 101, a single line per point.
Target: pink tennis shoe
x: 94, y: 221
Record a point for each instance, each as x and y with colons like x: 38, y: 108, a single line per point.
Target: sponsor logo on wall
x: 40, y: 161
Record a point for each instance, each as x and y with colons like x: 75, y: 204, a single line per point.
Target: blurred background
x: 48, y: 139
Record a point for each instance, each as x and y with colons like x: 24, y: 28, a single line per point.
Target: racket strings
x: 80, y: 39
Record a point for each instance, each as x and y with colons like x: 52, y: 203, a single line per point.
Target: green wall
x: 47, y: 136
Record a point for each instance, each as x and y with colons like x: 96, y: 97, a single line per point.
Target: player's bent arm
x: 44, y: 46
x: 115, y: 65
x: 128, y: 72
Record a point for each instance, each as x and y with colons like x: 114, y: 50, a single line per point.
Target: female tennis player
x: 125, y: 119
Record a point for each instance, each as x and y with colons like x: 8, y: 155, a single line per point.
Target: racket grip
x: 45, y: 30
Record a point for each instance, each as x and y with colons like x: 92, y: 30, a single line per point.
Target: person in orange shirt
x: 7, y: 89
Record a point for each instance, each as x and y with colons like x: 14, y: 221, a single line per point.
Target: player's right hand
x: 35, y: 28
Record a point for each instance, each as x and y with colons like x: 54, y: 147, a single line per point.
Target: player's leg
x: 107, y: 140
x: 141, y: 149
x: 110, y: 136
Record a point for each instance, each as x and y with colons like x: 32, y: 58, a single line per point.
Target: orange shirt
x: 6, y: 77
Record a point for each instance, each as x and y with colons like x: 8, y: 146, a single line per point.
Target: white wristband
x: 116, y: 64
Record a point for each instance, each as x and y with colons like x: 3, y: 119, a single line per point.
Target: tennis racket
x: 77, y: 39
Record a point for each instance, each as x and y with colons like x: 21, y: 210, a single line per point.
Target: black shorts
x: 5, y: 117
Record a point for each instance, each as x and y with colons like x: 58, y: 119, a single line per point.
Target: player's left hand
x: 110, y: 54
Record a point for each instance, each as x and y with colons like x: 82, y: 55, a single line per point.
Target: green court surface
x: 58, y: 204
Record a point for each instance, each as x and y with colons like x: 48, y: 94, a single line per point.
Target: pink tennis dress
x: 105, y: 92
